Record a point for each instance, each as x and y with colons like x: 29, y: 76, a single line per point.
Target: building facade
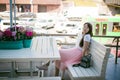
x: 31, y: 5
x: 114, y: 6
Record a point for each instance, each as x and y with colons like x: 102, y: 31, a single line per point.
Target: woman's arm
x: 85, y: 47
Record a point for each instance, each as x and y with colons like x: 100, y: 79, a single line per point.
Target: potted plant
x: 28, y: 35
x: 13, y: 37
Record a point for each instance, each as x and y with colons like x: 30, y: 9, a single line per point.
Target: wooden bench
x: 32, y: 78
x: 97, y: 71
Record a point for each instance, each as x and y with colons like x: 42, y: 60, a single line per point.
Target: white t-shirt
x: 87, y: 38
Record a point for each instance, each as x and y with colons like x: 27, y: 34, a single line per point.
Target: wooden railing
x: 110, y: 45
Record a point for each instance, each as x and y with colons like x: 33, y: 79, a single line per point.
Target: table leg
x: 31, y: 69
x: 12, y: 69
x: 49, y: 67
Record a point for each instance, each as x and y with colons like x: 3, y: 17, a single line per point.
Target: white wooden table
x: 42, y: 48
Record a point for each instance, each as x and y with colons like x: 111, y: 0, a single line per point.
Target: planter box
x: 11, y: 44
x: 27, y: 43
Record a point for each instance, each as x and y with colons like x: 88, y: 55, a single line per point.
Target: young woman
x: 73, y: 55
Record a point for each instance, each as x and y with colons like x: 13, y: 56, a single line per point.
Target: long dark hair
x: 89, y: 32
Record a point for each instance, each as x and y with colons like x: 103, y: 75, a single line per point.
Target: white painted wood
x: 34, y: 44
x: 41, y: 50
x: 73, y: 72
x: 32, y: 78
x: 100, y: 55
x: 56, y: 51
x: 26, y: 54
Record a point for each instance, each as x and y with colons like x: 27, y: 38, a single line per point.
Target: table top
x: 42, y: 48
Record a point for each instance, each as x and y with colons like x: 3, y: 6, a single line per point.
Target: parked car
x: 68, y: 27
x: 27, y: 21
x: 6, y: 23
x: 45, y: 24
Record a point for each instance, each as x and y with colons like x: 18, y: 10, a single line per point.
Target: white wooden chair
x: 100, y: 55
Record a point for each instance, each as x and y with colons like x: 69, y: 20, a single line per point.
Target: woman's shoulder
x: 87, y: 35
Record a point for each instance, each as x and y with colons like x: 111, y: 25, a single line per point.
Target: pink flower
x: 21, y: 29
x: 29, y: 33
x: 8, y: 33
x: 14, y: 33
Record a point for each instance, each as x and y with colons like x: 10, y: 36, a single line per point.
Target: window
x: 116, y: 27
x: 104, y: 29
x: 97, y: 29
x: 42, y: 8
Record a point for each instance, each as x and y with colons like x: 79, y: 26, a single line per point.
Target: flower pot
x: 11, y: 44
x: 27, y: 43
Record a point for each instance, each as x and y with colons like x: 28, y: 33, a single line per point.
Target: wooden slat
x: 72, y: 71
x: 91, y: 72
x: 97, y: 62
x: 97, y: 46
x: 96, y: 56
x: 51, y: 48
x: 98, y: 50
x: 84, y: 72
x: 56, y: 51
x: 32, y: 78
x: 47, y: 48
x: 43, y: 46
x: 39, y: 44
x: 34, y: 44
x: 78, y: 71
x: 97, y: 53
